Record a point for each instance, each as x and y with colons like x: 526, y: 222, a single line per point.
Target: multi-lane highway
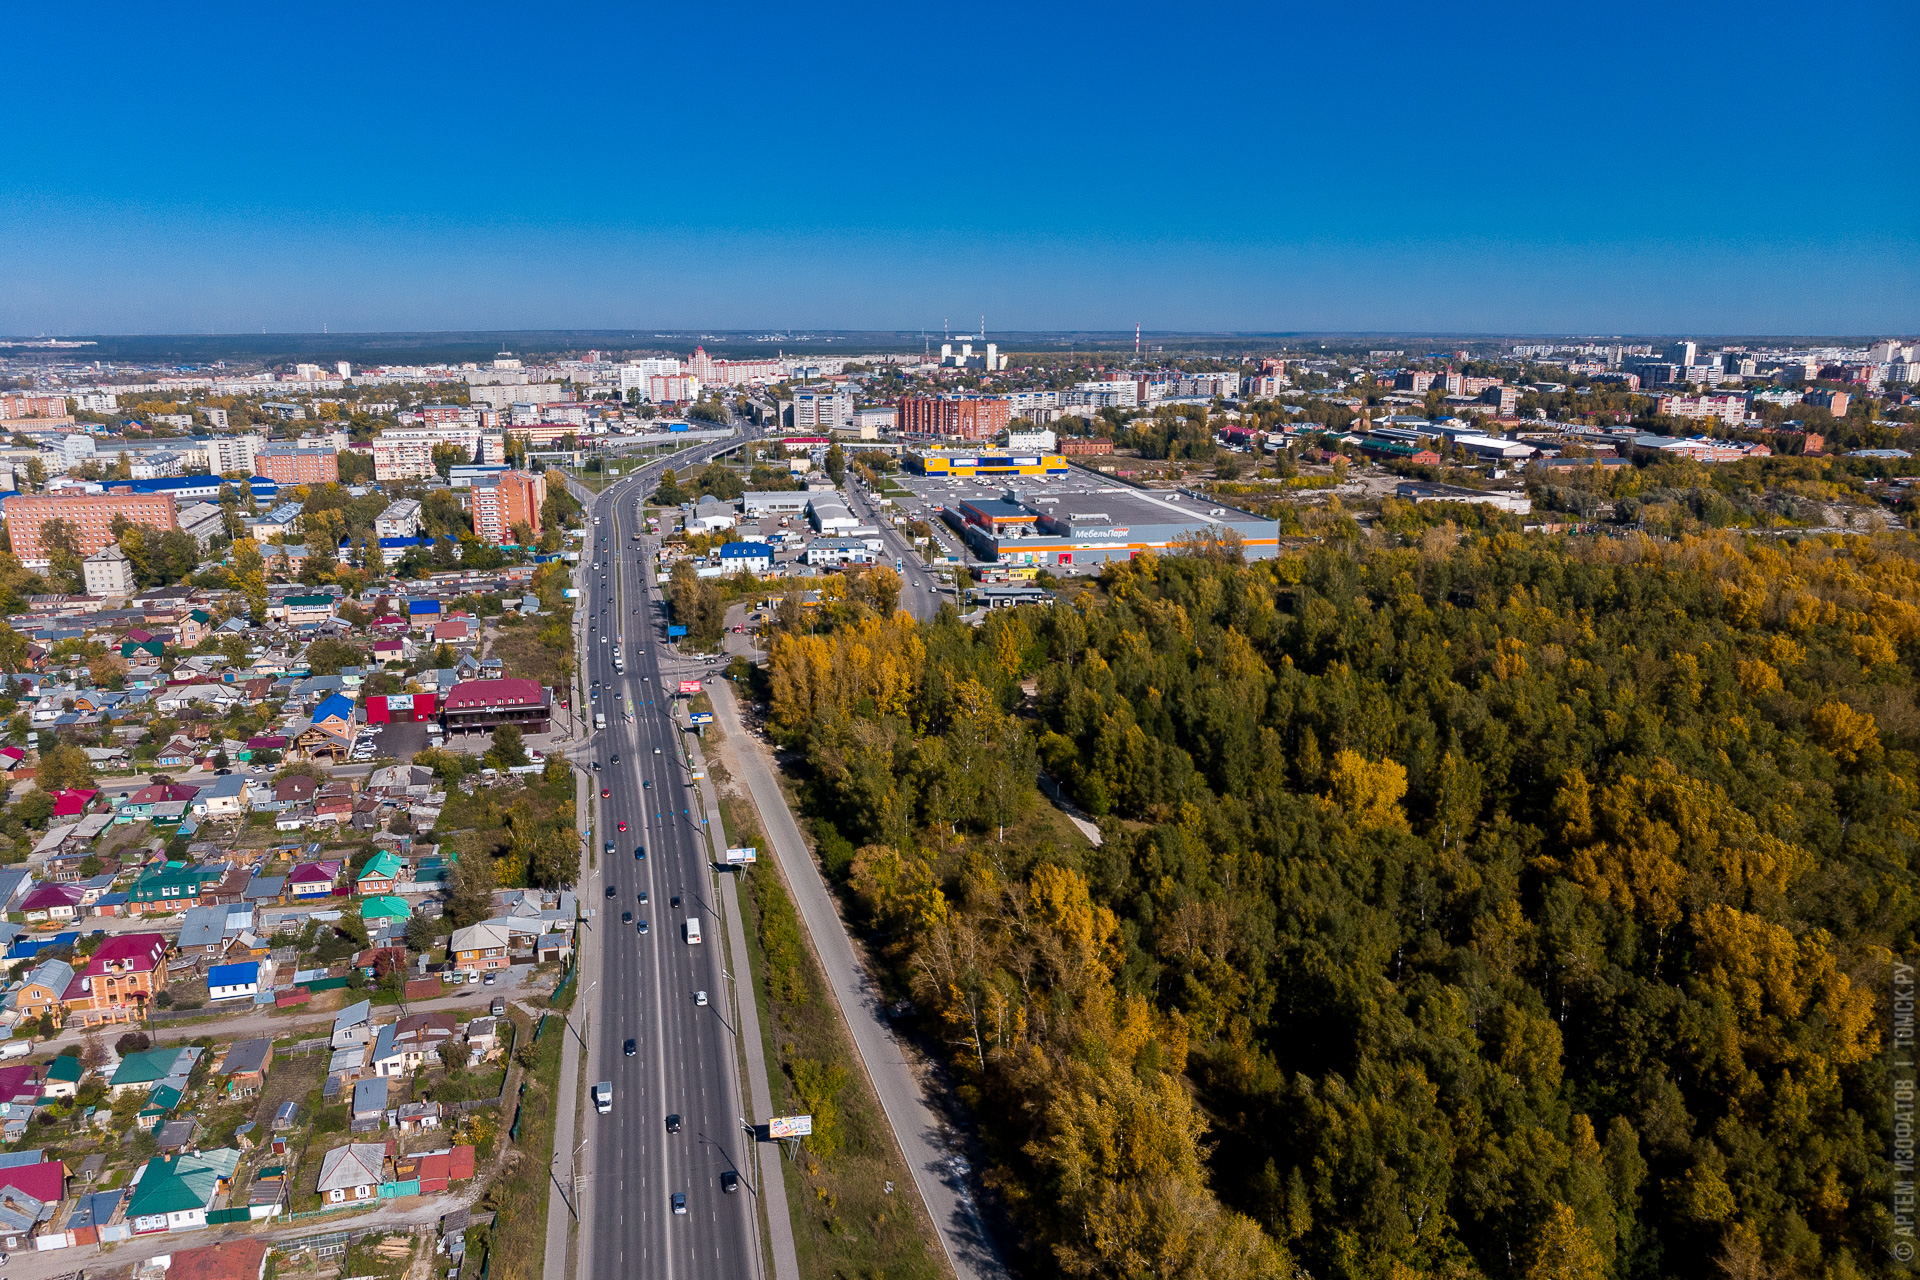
x: 683, y: 1062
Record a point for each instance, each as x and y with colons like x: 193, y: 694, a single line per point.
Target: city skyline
x: 1370, y: 171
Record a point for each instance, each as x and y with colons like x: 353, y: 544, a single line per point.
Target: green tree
x: 509, y: 747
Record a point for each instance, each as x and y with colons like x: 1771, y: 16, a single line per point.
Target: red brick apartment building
x: 91, y: 515
x: 967, y: 417
x: 513, y: 497
x: 294, y: 464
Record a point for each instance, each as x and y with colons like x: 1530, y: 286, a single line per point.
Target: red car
x: 604, y: 793
x: 623, y: 824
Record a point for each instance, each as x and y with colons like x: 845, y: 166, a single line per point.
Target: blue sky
x: 1647, y: 168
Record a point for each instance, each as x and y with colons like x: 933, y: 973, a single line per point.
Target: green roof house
x: 173, y: 887
x: 385, y: 907
x: 160, y: 1105
x: 62, y: 1078
x: 175, y: 1192
x: 149, y: 1067
x: 378, y: 876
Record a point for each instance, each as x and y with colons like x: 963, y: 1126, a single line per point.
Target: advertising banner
x: 789, y: 1126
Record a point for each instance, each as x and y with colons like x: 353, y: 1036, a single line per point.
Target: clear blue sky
x: 1706, y: 168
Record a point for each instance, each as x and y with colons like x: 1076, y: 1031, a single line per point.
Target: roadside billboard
x: 736, y: 857
x: 689, y: 686
x: 674, y: 632
x: 701, y: 717
x: 789, y: 1126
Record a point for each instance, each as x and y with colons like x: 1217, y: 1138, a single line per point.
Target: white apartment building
x: 1730, y: 410
x: 500, y: 397
x: 822, y: 409
x: 406, y: 453
x: 108, y: 573
x: 228, y: 454
x: 401, y: 519
x: 635, y: 374
x: 1119, y: 393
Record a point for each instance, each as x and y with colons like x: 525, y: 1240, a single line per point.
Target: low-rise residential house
x: 369, y: 1104
x: 353, y: 1172
x: 314, y: 879
x: 415, y: 1117
x: 353, y: 1025
x: 63, y: 1077
x: 266, y: 890
x: 203, y: 933
x: 224, y: 797
x: 175, y: 1193
x: 481, y: 947
x: 53, y: 902
x: 30, y: 1192
x: 229, y: 1259
x: 150, y: 1069
x: 234, y: 981
x: 379, y: 876
x: 140, y: 805
x: 173, y: 886
x: 73, y: 805
x: 483, y: 1038
x: 44, y: 991
x: 177, y: 754
x: 126, y: 972
x: 245, y: 1067
x: 405, y: 1046
x: 387, y: 908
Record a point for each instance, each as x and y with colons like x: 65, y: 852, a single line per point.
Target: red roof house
x: 53, y: 902
x: 45, y: 1182
x: 228, y: 1260
x: 73, y: 804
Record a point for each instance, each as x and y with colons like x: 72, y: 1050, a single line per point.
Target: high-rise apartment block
x: 503, y: 501
x: 90, y: 514
x: 292, y: 464
x: 731, y: 373
x: 967, y: 417
x: 822, y: 409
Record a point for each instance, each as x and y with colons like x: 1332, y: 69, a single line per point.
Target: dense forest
x: 1491, y: 906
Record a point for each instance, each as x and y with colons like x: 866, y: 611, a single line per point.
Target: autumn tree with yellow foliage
x: 1499, y: 906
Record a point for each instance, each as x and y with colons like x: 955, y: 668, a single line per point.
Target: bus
x: 692, y: 928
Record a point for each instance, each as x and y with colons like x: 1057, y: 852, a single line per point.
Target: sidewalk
x: 768, y: 1180
x: 939, y: 1169
x: 563, y: 1196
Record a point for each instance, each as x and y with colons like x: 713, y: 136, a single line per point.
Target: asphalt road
x: 919, y: 584
x: 684, y: 1062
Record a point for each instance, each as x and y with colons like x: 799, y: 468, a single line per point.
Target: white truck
x: 603, y: 1097
x: 692, y: 929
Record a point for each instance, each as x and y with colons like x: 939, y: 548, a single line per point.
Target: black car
x: 676, y: 899
x: 626, y: 917
x: 642, y: 926
x: 673, y: 1124
x: 611, y: 891
x: 646, y: 784
x: 729, y: 1181
x: 640, y: 853
x: 616, y: 758
x: 630, y: 1049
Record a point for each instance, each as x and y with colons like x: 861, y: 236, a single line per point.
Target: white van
x: 692, y: 929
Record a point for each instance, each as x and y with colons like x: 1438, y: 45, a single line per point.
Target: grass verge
x: 846, y: 1222
x: 515, y: 1246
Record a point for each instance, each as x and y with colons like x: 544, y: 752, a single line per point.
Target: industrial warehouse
x: 1075, y: 517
